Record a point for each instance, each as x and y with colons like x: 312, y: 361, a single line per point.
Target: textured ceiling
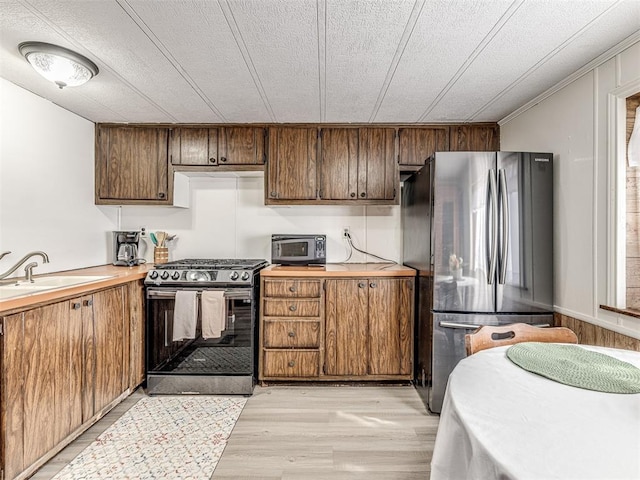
x: 283, y: 61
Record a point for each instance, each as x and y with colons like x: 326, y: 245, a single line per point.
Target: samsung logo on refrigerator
x: 541, y: 159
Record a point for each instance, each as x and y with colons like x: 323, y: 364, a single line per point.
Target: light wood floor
x: 312, y: 432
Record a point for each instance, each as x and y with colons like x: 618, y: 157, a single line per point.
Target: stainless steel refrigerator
x: 478, y: 228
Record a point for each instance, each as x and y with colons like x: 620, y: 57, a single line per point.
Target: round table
x: 500, y: 421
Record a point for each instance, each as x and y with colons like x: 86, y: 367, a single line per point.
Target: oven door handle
x: 171, y: 293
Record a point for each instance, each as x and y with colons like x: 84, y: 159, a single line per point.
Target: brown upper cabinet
x: 416, y: 145
x: 192, y: 146
x: 291, y: 170
x: 132, y: 165
x: 358, y: 164
x: 474, y: 138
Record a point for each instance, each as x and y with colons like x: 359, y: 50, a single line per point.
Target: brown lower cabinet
x: 63, y: 366
x: 352, y: 328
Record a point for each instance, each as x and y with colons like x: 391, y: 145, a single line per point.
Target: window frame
x: 616, y: 193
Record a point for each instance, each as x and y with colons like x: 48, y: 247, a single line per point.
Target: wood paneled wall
x: 590, y: 334
x: 633, y: 215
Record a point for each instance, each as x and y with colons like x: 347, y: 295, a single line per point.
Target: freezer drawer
x: 448, y: 346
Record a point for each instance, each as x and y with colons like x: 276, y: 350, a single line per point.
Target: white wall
x: 46, y: 184
x: 573, y: 124
x: 47, y: 202
x: 227, y: 218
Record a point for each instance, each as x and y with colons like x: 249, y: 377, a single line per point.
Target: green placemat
x: 576, y: 366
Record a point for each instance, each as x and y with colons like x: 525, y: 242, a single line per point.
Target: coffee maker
x: 126, y: 245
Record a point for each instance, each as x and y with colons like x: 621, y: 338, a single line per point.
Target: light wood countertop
x: 117, y: 276
x: 340, y: 270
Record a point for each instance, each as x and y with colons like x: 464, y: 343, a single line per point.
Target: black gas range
x: 222, y: 364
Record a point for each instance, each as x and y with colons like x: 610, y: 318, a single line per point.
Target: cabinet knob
x: 88, y: 303
x: 223, y: 159
x: 362, y: 285
x: 292, y: 363
x: 161, y: 195
x: 292, y: 334
x: 363, y: 194
x: 353, y: 194
x: 212, y: 160
x: 372, y: 285
x: 292, y: 288
x: 293, y: 308
x: 274, y: 194
x: 75, y: 305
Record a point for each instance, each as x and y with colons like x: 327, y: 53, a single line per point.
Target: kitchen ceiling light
x: 57, y: 64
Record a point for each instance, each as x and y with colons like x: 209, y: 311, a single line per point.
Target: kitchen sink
x: 42, y: 284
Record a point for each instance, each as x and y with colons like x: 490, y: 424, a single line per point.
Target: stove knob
x: 164, y: 275
x: 153, y: 275
x: 175, y: 275
x: 234, y: 275
x: 245, y: 276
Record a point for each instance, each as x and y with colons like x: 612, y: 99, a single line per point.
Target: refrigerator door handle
x: 491, y: 226
x: 504, y: 214
x: 467, y: 326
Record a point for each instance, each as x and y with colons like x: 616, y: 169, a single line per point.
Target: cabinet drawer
x: 290, y: 363
x: 285, y: 334
x: 291, y: 308
x: 292, y: 288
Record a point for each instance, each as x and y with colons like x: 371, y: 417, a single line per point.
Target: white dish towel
x: 185, y: 315
x: 213, y: 313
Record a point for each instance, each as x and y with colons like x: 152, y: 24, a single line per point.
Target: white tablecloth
x: 499, y: 421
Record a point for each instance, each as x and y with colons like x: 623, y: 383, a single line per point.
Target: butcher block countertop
x: 340, y: 270
x: 116, y: 276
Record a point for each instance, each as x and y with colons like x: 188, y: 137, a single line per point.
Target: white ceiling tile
x: 361, y: 40
x: 445, y: 35
x: 203, y: 46
x: 114, y: 40
x: 531, y: 37
x: 281, y: 38
x: 252, y: 61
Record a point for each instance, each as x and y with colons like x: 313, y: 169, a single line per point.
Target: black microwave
x: 298, y: 249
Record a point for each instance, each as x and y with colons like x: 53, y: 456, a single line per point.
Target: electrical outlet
x: 345, y: 232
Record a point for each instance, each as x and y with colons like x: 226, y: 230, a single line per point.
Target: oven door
x: 233, y: 353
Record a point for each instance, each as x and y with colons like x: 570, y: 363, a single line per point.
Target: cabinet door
x: 52, y: 380
x: 135, y: 300
x: 194, y: 146
x: 416, y: 145
x: 339, y: 164
x: 241, y: 146
x: 12, y: 384
x: 291, y: 168
x: 474, y: 138
x: 346, y: 327
x: 111, y: 375
x: 390, y: 332
x: 132, y: 164
x: 378, y: 176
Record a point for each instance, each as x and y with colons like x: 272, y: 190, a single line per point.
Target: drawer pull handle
x: 292, y: 334
x: 292, y: 288
x: 293, y: 308
x: 292, y: 363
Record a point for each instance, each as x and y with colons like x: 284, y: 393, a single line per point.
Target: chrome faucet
x: 29, y: 269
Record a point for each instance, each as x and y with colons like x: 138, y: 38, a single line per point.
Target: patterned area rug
x: 180, y: 437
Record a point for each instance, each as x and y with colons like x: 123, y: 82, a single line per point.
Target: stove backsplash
x: 228, y: 219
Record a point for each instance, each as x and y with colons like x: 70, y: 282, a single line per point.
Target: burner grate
x: 215, y: 263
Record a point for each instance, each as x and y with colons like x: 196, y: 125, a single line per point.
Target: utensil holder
x: 160, y: 255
